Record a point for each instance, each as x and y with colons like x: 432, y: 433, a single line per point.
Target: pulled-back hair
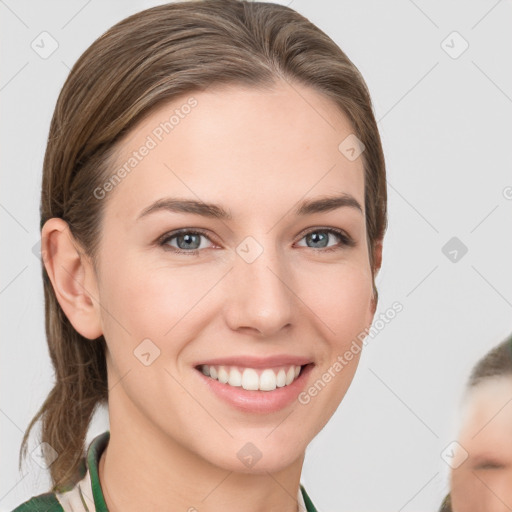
x: 147, y: 59
x: 496, y: 363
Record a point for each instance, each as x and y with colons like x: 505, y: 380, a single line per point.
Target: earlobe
x: 72, y: 277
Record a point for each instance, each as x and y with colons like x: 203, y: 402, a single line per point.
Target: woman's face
x: 259, y: 292
x: 483, y: 476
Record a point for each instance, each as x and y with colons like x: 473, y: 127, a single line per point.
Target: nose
x: 260, y: 295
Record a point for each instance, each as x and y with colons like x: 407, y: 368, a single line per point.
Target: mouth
x: 253, y: 379
x: 255, y: 384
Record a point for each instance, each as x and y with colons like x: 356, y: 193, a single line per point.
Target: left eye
x: 313, y: 236
x: 189, y: 241
x: 490, y: 465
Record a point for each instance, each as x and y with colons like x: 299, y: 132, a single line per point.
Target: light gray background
x: 446, y: 126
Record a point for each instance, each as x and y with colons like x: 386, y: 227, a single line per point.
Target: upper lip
x: 257, y: 362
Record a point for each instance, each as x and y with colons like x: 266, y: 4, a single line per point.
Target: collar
x: 86, y: 495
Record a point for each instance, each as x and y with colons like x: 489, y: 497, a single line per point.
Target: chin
x: 259, y: 456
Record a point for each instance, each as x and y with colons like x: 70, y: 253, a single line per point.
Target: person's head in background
x: 481, y: 478
x: 259, y: 100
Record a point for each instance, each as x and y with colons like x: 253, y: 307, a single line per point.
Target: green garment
x: 86, y: 494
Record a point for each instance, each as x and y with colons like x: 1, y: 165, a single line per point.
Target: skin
x: 482, y: 481
x: 256, y: 153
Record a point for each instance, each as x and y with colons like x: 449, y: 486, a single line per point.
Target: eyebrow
x: 305, y: 207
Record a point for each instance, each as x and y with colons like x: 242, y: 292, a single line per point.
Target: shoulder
x: 80, y: 494
x: 46, y: 502
x: 306, y: 502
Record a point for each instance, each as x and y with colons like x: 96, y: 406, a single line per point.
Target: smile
x: 251, y: 379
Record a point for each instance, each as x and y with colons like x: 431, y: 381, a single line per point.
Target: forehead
x: 240, y: 146
x: 487, y: 417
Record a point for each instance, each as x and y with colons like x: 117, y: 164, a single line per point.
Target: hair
x: 145, y: 60
x: 495, y: 363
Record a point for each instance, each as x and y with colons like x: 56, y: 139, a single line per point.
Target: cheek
x: 148, y: 296
x: 166, y: 305
x: 481, y: 490
x: 134, y: 305
x: 467, y: 492
x: 341, y: 298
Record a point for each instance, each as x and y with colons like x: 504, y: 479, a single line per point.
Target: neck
x: 144, y: 469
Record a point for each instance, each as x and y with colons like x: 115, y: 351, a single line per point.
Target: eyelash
x: 346, y: 241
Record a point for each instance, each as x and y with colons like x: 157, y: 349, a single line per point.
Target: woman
x: 213, y: 209
x: 482, y: 465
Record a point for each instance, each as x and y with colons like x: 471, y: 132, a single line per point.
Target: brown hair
x: 496, y: 363
x: 149, y: 58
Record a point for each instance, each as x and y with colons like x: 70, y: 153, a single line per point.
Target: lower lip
x: 258, y: 401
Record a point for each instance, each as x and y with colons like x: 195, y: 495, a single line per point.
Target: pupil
x: 315, y: 236
x: 188, y: 239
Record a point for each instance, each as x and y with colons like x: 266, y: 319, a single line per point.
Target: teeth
x: 281, y: 378
x: 223, y: 375
x: 235, y: 378
x: 249, y: 379
x: 268, y: 380
x: 290, y: 375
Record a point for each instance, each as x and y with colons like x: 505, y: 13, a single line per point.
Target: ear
x: 377, y: 252
x: 72, y: 276
x: 377, y: 258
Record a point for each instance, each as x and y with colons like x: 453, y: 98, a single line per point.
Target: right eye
x: 188, y: 237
